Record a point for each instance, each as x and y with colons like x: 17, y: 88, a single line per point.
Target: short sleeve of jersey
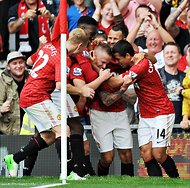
x: 138, y: 70
x: 88, y: 72
x: 34, y: 57
x: 76, y: 72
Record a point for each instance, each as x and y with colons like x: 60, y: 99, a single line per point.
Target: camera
x: 38, y: 12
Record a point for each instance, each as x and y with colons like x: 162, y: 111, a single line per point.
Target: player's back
x: 43, y: 76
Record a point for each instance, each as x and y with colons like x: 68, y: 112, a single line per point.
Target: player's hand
x: 6, y: 107
x: 127, y: 82
x: 42, y: 40
x: 105, y: 74
x: 87, y: 92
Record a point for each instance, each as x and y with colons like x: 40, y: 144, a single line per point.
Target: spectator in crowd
x: 48, y: 127
x: 172, y: 78
x: 128, y: 8
x: 155, y: 38
x: 29, y: 14
x: 182, y: 19
x: 185, y: 92
x: 157, y: 111
x: 183, y: 64
x: 4, y: 33
x: 12, y: 118
x: 169, y: 6
x: 145, y: 27
x: 107, y: 14
x: 12, y: 81
x: 181, y: 36
x: 115, y: 34
x: 74, y: 12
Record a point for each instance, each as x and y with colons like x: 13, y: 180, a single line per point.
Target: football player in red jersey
x: 156, y: 110
x: 45, y: 76
x: 106, y: 110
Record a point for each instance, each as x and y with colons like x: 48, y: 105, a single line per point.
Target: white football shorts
x: 44, y: 115
x: 157, y: 130
x: 111, y: 130
x: 72, y: 110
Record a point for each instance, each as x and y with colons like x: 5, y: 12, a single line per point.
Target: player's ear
x: 79, y: 47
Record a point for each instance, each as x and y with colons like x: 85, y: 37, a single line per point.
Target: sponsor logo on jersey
x: 77, y: 71
x: 132, y: 74
x: 67, y: 70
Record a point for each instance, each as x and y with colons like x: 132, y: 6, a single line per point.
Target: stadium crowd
x: 128, y: 62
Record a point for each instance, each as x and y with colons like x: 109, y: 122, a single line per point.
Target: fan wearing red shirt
x: 35, y: 99
x: 156, y: 110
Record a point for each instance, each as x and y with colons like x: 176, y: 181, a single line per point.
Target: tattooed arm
x: 171, y: 27
x: 109, y: 98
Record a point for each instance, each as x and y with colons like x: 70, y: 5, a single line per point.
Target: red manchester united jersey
x: 153, y: 100
x: 43, y: 76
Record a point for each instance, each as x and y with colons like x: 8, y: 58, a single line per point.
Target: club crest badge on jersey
x: 59, y: 116
x: 77, y: 71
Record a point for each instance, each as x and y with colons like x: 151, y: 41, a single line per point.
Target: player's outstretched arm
x: 29, y: 61
x: 85, y: 91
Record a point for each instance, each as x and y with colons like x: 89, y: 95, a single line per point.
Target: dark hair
x: 102, y: 33
x: 123, y: 30
x: 172, y: 44
x: 123, y: 47
x: 104, y: 47
x: 149, y: 9
x: 87, y: 20
x: 142, y: 6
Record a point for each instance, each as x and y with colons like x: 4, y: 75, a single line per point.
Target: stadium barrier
x: 47, y: 163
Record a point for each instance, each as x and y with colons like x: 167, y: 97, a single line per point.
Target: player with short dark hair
x: 156, y: 110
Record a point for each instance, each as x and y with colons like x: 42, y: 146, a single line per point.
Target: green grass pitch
x: 96, y: 182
